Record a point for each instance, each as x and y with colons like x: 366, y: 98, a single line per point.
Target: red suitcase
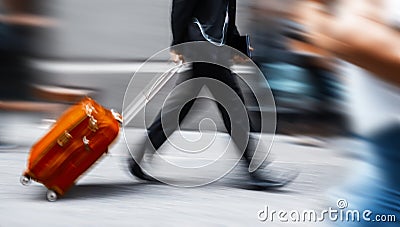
x: 74, y: 143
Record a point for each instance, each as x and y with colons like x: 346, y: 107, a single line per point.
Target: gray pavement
x: 108, y: 196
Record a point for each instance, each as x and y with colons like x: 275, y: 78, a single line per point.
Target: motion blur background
x: 53, y: 52
x: 68, y: 42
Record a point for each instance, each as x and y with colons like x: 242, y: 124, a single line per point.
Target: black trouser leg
x: 158, y: 133
x: 163, y: 126
x: 242, y: 125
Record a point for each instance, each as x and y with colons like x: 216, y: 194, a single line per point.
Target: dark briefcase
x: 241, y: 43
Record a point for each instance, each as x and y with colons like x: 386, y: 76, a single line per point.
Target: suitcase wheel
x: 51, y: 196
x: 25, y: 180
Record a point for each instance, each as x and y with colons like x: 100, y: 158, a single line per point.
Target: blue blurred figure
x: 304, y: 85
x: 364, y: 33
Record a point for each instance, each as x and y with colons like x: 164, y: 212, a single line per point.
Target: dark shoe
x: 137, y: 171
x: 272, y: 180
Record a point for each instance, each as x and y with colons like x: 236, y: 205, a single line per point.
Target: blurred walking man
x: 212, y: 21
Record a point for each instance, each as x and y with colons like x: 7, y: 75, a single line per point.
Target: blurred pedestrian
x: 212, y: 21
x: 14, y: 44
x: 303, y: 83
x: 365, y: 35
x: 18, y: 22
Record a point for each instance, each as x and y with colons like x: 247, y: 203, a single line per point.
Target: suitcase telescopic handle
x: 148, y: 93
